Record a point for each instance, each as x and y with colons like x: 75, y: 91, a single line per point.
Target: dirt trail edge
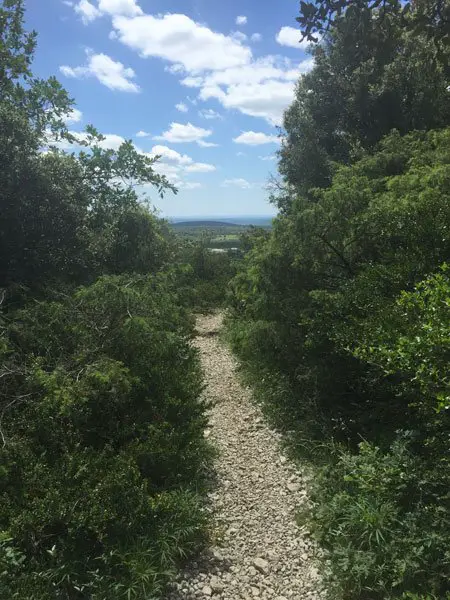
x: 259, y: 552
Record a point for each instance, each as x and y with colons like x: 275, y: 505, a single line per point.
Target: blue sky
x: 203, y: 83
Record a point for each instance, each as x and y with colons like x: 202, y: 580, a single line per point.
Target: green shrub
x: 104, y: 454
x: 341, y: 317
x: 414, y: 341
x: 209, y: 275
x: 382, y: 517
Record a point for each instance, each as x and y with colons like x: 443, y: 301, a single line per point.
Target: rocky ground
x: 258, y: 551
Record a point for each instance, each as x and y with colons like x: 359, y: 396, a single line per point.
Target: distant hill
x: 184, y: 224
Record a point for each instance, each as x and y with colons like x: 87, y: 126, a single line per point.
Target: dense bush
x: 307, y: 293
x: 102, y: 441
x: 383, y: 514
x: 341, y: 316
x: 383, y: 518
x: 102, y: 453
x: 209, y: 275
x: 343, y: 341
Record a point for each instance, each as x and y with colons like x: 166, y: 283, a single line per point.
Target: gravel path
x: 258, y: 552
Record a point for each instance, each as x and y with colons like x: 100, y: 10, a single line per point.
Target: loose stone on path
x: 259, y: 551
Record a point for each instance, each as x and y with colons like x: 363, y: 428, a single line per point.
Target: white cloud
x: 142, y: 134
x: 240, y: 154
x: 269, y: 157
x: 267, y: 100
x: 289, y: 36
x: 172, y: 172
x: 174, y: 165
x: 128, y: 8
x: 73, y: 116
x: 253, y: 138
x: 169, y: 155
x: 179, y: 133
x: 171, y: 163
x: 209, y: 113
x: 113, y: 74
x: 180, y: 40
x: 193, y: 82
x: 239, y: 36
x: 263, y: 88
x: 237, y: 182
x: 220, y: 66
x: 200, y: 168
x: 241, y: 20
x: 256, y: 37
x: 181, y: 106
x: 111, y: 141
x: 204, y: 144
x: 87, y: 11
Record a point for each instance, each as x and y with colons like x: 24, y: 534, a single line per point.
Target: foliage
x: 431, y: 17
x: 382, y: 517
x: 366, y: 81
x: 332, y: 265
x: 210, y: 273
x: 345, y: 333
x: 103, y: 438
x: 102, y: 452
x: 415, y: 341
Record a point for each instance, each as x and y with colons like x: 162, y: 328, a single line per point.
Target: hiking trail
x: 259, y: 551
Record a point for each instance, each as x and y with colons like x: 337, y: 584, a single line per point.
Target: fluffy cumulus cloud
x: 110, y: 141
x: 254, y: 138
x: 171, y: 156
x: 174, y: 165
x: 239, y: 36
x: 73, y: 116
x: 179, y: 133
x: 262, y: 88
x: 220, y: 67
x: 204, y: 144
x: 127, y: 8
x: 88, y: 11
x: 111, y: 73
x: 181, y: 106
x: 181, y: 41
x: 289, y: 36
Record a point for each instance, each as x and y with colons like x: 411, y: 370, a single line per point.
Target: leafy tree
x: 366, y: 81
x: 431, y: 17
x: 333, y: 263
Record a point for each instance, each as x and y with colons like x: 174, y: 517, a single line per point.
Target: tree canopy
x: 431, y: 17
x: 367, y: 80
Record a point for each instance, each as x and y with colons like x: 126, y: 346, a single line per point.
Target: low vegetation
x: 102, y: 452
x: 341, y: 315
